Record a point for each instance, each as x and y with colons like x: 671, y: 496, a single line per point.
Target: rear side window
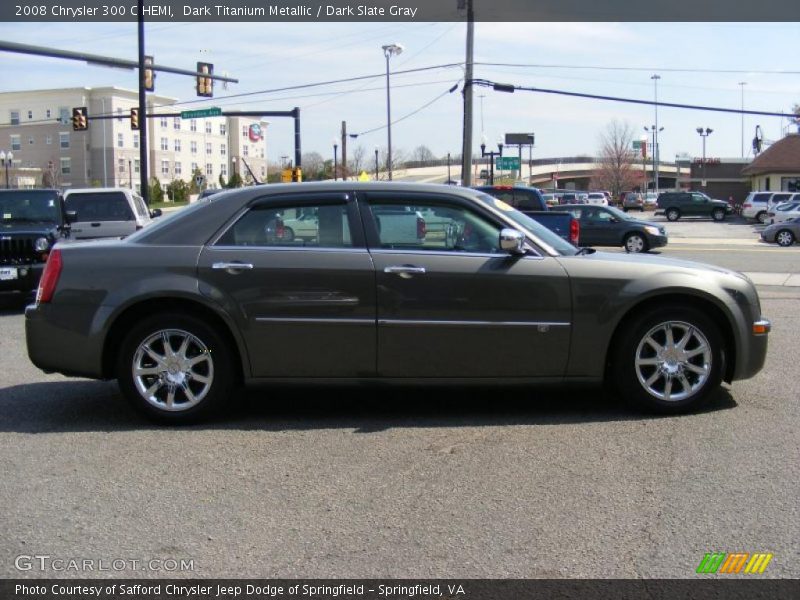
x: 97, y: 206
x: 323, y: 226
x: 761, y: 197
x: 779, y: 198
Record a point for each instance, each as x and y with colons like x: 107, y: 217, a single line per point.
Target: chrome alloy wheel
x: 173, y: 370
x: 784, y: 238
x: 673, y: 361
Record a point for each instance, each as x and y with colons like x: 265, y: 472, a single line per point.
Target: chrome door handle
x: 231, y: 266
x: 405, y: 270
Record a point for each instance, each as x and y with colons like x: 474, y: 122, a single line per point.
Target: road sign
x: 199, y: 114
x: 520, y: 139
x: 637, y: 145
x: 507, y: 163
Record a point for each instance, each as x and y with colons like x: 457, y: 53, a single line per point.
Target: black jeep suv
x: 31, y: 222
x: 691, y: 204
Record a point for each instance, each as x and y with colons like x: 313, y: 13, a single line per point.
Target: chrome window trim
x: 451, y: 253
x: 414, y: 323
x: 351, y: 249
x: 290, y: 320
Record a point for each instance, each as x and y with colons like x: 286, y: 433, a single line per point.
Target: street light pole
x: 530, y: 161
x: 654, y: 131
x: 742, y: 84
x: 448, y: 169
x: 704, y: 134
x: 655, y: 79
x: 376, y: 163
x: 389, y: 50
x: 491, y: 154
x: 335, y: 158
x: 6, y: 159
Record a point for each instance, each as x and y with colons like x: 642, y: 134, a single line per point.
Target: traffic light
x: 297, y: 175
x: 149, y: 75
x: 134, y: 119
x: 205, y: 85
x: 80, y: 119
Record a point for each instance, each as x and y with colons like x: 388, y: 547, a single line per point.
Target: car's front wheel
x: 673, y: 214
x: 670, y: 360
x: 718, y: 214
x: 175, y: 368
x: 635, y: 242
x: 784, y: 237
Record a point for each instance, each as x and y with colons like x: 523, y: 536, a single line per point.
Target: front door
x: 451, y: 304
x: 305, y: 304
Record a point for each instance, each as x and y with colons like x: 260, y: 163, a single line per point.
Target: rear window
x: 99, y: 206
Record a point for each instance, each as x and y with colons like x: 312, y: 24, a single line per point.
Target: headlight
x: 652, y: 230
x: 42, y: 244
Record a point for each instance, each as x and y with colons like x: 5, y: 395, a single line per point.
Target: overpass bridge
x: 572, y: 172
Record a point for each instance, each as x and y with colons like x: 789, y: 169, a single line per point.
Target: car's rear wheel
x: 673, y: 214
x: 718, y: 214
x: 670, y: 360
x: 784, y: 237
x: 288, y: 234
x: 175, y: 368
x: 761, y: 217
x: 635, y: 242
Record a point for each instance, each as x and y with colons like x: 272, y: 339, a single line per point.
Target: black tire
x: 288, y: 234
x: 625, y: 209
x: 685, y: 321
x: 784, y: 238
x: 718, y: 214
x: 761, y: 217
x: 205, y: 347
x: 673, y: 214
x: 635, y: 242
x: 641, y: 209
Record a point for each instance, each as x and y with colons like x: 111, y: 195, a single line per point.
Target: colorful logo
x: 734, y: 562
x: 255, y: 133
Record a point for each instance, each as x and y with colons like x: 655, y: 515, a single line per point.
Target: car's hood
x: 659, y: 226
x: 646, y: 264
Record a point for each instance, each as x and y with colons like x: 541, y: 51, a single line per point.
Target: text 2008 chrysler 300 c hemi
x: 388, y: 282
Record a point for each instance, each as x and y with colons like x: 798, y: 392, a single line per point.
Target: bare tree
x: 313, y: 166
x: 616, y: 169
x: 422, y: 154
x: 357, y: 160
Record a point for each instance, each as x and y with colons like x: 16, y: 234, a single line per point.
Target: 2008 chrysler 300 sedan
x: 396, y: 283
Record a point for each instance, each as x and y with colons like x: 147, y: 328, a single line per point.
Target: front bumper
x: 27, y: 279
x: 756, y: 353
x: 657, y: 241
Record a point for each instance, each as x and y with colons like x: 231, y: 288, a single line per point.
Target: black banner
x: 732, y: 588
x: 400, y: 10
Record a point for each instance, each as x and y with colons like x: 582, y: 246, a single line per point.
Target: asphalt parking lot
x: 376, y: 482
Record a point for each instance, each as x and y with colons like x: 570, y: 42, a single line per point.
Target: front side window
x: 699, y: 198
x: 433, y: 226
x: 318, y: 226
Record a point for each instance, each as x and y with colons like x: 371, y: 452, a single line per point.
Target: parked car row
x: 758, y: 205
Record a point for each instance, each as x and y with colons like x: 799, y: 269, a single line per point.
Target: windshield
x: 30, y: 206
x: 619, y: 214
x: 561, y: 246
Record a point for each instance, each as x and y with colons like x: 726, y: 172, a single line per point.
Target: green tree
x: 178, y: 190
x: 235, y: 181
x: 193, y: 188
x: 222, y: 183
x: 156, y: 194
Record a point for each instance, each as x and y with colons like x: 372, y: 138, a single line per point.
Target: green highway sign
x: 203, y: 112
x: 507, y: 163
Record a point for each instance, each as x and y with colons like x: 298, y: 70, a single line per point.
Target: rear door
x: 100, y: 214
x: 305, y: 305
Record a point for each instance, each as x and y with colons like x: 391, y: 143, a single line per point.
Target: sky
x: 699, y: 63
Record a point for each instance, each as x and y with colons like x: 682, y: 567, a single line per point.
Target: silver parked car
x: 217, y: 294
x: 784, y: 233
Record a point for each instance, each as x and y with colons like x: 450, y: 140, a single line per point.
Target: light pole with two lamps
x: 491, y: 154
x: 704, y: 133
x: 654, y: 129
x: 389, y: 50
x: 7, y: 160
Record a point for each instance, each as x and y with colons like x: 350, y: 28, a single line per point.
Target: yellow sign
x: 363, y: 176
x: 286, y: 176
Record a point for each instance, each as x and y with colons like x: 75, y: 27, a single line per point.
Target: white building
x: 37, y: 130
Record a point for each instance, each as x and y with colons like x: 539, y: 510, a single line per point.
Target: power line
x: 504, y: 87
x: 644, y: 69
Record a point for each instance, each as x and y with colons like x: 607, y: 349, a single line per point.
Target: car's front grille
x: 17, y: 250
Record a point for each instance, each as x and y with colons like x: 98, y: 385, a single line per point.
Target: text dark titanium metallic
x: 389, y: 282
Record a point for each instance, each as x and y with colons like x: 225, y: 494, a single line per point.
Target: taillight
x: 421, y: 228
x: 50, y: 275
x: 747, y: 205
x: 574, y: 231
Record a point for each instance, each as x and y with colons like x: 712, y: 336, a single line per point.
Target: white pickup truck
x: 400, y: 225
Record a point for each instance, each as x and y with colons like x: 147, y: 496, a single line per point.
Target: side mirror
x: 156, y: 212
x: 72, y: 216
x: 512, y: 241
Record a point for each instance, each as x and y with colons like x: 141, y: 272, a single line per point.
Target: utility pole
x: 143, y: 178
x: 466, y: 143
x: 344, y: 150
